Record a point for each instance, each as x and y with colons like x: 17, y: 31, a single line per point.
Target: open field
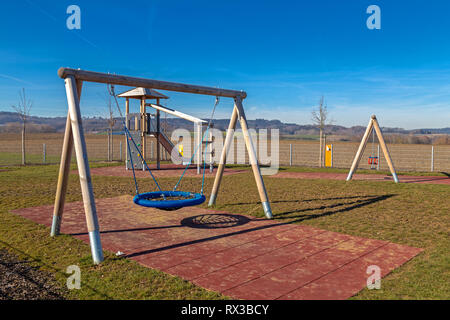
x: 412, y: 214
x: 406, y: 157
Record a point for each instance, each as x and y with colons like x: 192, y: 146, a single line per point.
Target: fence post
x: 432, y: 158
x: 44, y: 151
x: 290, y: 154
x: 151, y: 150
x: 120, y: 151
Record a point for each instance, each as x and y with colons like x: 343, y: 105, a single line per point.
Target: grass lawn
x: 411, y: 214
x: 10, y: 158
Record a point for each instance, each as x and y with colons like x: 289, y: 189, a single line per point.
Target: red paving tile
x: 369, y: 177
x: 279, y: 282
x: 254, y: 259
x: 344, y: 282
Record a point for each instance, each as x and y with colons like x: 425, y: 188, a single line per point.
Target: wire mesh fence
x: 46, y: 149
x: 406, y: 157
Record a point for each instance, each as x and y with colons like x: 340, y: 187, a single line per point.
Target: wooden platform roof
x: 139, y: 93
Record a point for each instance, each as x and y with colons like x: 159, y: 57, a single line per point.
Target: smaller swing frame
x: 373, y: 125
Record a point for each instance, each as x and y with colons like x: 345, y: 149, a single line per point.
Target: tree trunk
x: 112, y: 145
x: 109, y: 147
x: 320, y: 149
x: 23, y: 144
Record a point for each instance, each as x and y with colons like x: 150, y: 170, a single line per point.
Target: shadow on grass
x: 302, y: 200
x: 349, y: 206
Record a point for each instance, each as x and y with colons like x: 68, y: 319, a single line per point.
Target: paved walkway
x: 368, y: 177
x: 166, y: 170
x: 240, y: 256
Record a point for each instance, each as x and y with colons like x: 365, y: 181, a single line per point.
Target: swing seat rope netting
x: 164, y: 200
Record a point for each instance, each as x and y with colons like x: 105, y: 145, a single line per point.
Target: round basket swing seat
x: 169, y: 200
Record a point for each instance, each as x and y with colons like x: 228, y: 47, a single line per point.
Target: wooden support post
x: 223, y: 157
x: 360, y: 151
x: 83, y: 170
x: 64, y: 168
x: 253, y: 159
x: 384, y: 148
x: 127, y: 125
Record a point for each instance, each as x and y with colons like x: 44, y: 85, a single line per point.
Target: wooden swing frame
x: 74, y: 137
x: 373, y: 124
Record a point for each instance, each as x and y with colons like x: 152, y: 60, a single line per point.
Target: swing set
x: 161, y: 199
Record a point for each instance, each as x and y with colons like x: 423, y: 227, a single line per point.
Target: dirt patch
x: 20, y: 281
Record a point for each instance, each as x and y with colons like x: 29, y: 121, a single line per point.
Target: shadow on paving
x: 292, y: 219
x: 204, y: 221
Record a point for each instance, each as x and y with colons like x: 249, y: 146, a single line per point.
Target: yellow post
x: 329, y: 155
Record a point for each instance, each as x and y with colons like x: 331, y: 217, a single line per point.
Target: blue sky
x: 284, y: 54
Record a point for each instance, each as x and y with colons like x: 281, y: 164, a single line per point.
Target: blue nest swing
x: 169, y: 200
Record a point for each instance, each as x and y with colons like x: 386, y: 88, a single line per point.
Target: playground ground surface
x: 407, y: 214
x: 237, y: 255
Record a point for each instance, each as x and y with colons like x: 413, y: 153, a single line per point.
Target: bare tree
x: 23, y: 110
x: 319, y: 118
